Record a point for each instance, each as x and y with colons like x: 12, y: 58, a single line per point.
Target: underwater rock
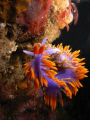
x: 46, y: 18
x: 6, y: 49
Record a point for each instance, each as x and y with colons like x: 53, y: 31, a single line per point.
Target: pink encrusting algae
x: 58, y: 69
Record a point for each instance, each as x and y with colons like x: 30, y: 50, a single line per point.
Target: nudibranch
x: 58, y: 69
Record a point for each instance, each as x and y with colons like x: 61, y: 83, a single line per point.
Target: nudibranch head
x: 70, y: 70
x: 39, y: 67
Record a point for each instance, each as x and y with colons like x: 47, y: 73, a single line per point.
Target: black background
x: 78, y: 38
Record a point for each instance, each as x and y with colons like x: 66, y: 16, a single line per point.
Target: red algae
x: 35, y: 16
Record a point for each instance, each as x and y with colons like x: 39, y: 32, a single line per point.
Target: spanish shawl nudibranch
x: 58, y: 69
